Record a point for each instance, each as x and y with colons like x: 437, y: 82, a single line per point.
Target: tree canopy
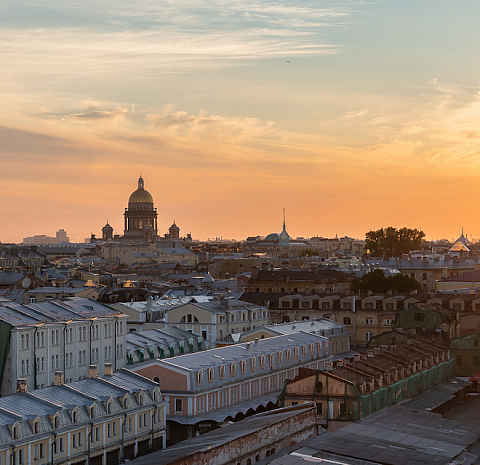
x: 376, y: 281
x: 392, y: 242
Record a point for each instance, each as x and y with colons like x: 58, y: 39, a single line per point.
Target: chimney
x: 339, y: 363
x: 376, y: 350
x: 108, y: 369
x: 369, y: 353
x: 93, y: 371
x: 357, y: 357
x: 21, y: 385
x: 58, y: 378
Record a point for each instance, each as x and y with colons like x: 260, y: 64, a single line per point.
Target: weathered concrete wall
x: 261, y: 443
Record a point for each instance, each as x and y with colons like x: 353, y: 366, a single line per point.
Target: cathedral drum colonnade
x: 141, y: 215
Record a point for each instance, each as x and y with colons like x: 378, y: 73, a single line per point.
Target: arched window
x: 36, y: 426
x: 75, y: 416
x: 56, y: 421
x: 110, y: 406
x: 16, y: 432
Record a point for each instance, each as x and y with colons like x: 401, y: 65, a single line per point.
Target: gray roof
x: 220, y: 355
x: 226, y: 305
x: 396, y: 436
x: 75, y: 308
x: 436, y: 395
x: 10, y: 278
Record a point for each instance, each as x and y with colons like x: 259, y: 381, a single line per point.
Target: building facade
x: 67, y: 335
x: 228, y: 383
x: 96, y: 421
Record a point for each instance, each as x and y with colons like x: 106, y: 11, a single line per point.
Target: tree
x: 392, y: 242
x: 376, y: 281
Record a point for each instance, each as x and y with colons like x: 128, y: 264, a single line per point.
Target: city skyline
x: 351, y: 115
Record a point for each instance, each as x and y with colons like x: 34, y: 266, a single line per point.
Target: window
x: 253, y: 362
x: 210, y: 374
x: 232, y: 369
x: 40, y: 339
x: 319, y: 408
x: 285, y: 304
x: 369, y: 321
x: 62, y: 444
x: 347, y: 306
x: 32, y: 300
x: 325, y: 305
x: 367, y: 335
x: 16, y: 432
x: 388, y: 322
x: 419, y: 317
x: 178, y: 406
x: 389, y: 306
x: 199, y: 377
x: 424, y: 276
x: 288, y: 354
x: 94, y: 331
x: 262, y: 362
x: 457, y: 306
x: 55, y: 340
x: 40, y: 364
x: 319, y: 387
x: 243, y: 366
x: 347, y: 320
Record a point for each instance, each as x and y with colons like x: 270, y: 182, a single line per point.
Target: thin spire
x: 284, y: 226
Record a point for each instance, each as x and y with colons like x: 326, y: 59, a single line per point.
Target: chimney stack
x: 21, y: 385
x: 108, y: 369
x: 58, y: 378
x: 93, y: 371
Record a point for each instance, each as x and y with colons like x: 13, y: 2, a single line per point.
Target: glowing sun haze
x: 352, y: 115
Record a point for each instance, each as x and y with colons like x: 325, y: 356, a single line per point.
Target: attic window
x: 199, y: 377
x: 16, y: 432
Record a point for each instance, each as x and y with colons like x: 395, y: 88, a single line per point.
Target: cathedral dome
x: 141, y: 195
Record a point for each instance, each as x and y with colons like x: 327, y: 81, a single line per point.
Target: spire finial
x: 284, y: 219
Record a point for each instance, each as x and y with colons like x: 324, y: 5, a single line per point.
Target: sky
x: 351, y: 115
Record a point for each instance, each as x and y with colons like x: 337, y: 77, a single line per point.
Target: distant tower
x: 284, y: 238
x: 107, y: 232
x: 141, y: 215
x: 174, y: 231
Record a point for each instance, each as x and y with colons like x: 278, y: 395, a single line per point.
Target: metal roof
x: 72, y: 308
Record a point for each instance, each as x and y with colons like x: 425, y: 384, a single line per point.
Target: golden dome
x: 141, y: 195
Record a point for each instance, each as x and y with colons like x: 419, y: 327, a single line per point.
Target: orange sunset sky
x: 351, y: 115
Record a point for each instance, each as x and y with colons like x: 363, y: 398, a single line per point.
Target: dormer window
x: 252, y: 363
x: 56, y: 421
x: 210, y: 374
x: 288, y: 353
x: 75, y: 416
x: 199, y: 377
x: 36, y: 426
x: 110, y: 406
x: 221, y: 370
x: 16, y: 432
x: 262, y: 362
x: 232, y: 369
x: 271, y: 359
x: 243, y: 366
x: 91, y: 411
